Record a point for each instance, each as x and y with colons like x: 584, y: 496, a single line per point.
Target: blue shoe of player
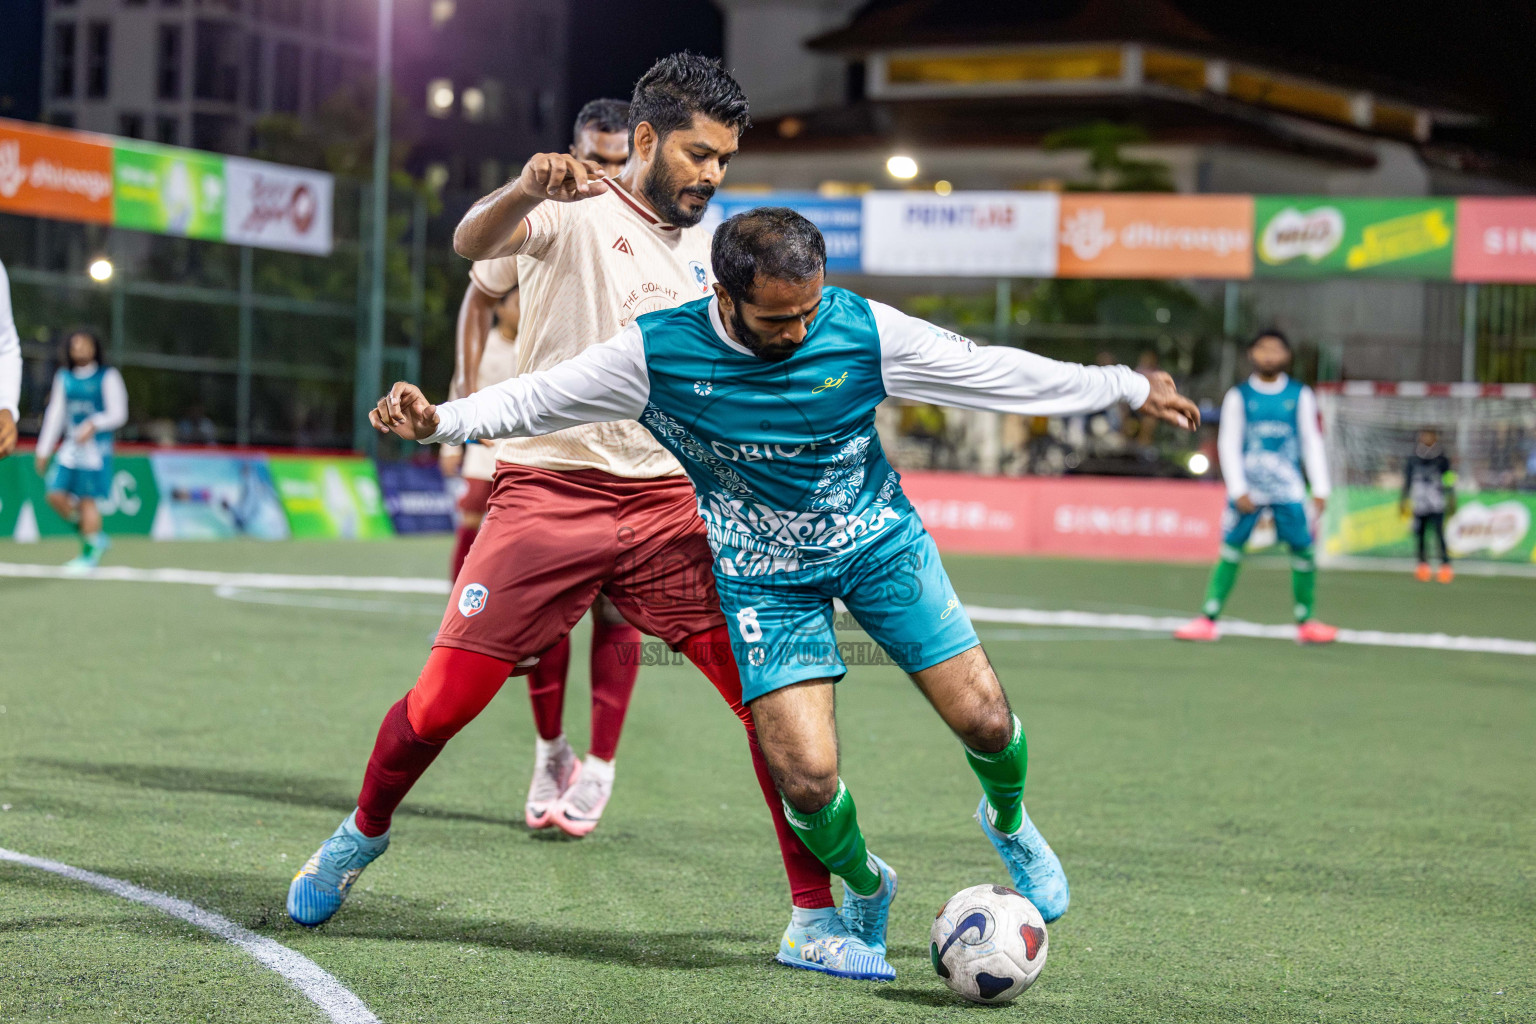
x: 865, y: 916
x: 821, y: 942
x: 322, y: 884
x: 1034, y: 866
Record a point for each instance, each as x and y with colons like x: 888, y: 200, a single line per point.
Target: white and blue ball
x: 989, y: 943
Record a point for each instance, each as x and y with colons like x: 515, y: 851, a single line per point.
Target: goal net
x: 1487, y: 430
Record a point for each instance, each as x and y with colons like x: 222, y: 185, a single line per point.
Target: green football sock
x: 833, y: 835
x: 1222, y: 578
x: 1303, y: 582
x: 1002, y: 779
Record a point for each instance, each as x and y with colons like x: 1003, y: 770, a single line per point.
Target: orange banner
x: 1138, y: 236
x: 47, y: 172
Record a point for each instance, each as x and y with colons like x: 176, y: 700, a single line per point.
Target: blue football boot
x: 823, y: 943
x: 1034, y: 866
x: 322, y: 884
x: 866, y: 916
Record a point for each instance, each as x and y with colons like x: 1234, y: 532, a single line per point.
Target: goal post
x: 1489, y: 432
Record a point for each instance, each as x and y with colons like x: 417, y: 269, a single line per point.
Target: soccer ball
x: 989, y: 943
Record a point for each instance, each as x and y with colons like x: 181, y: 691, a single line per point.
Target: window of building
x: 168, y: 130
x: 472, y: 101
x: 134, y: 3
x: 287, y: 65
x: 64, y: 59
x: 442, y: 12
x: 216, y: 62
x: 64, y: 3
x: 130, y: 125
x: 98, y: 58
x: 440, y: 97
x: 62, y: 119
x: 253, y: 55
x: 168, y: 63
x: 327, y: 76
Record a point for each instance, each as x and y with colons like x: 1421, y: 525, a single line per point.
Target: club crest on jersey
x: 703, y: 387
x: 622, y: 244
x: 700, y: 275
x: 472, y: 600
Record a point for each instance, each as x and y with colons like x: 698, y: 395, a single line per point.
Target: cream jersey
x: 587, y: 270
x: 498, y: 361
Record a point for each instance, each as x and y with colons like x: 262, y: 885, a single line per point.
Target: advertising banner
x: 1495, y: 240
x: 1493, y: 525
x: 212, y: 497
x: 168, y: 191
x: 416, y: 497
x: 965, y: 234
x: 1083, y: 517
x: 840, y: 220
x: 1332, y: 236
x: 46, y: 172
x: 25, y: 515
x: 331, y: 497
x: 277, y: 207
x: 1155, y: 236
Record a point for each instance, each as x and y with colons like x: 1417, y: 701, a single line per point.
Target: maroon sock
x: 810, y: 883
x: 615, y: 665
x: 399, y: 758
x: 546, y: 689
x: 461, y: 543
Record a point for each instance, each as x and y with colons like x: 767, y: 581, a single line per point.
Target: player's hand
x: 406, y: 412
x: 449, y: 459
x: 1319, y: 505
x: 86, y: 433
x: 561, y: 177
x: 1165, y: 403
x: 1245, y: 505
x: 7, y: 433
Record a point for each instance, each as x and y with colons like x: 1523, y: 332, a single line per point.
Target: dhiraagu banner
x: 331, y: 497
x: 168, y: 191
x: 1333, y: 236
x: 1492, y: 525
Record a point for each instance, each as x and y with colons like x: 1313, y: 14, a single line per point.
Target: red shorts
x: 476, y: 497
x: 553, y: 540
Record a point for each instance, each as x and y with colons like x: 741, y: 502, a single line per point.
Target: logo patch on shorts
x: 472, y: 600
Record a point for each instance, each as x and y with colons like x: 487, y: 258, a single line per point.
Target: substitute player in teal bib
x: 766, y: 394
x: 1271, y: 449
x: 87, y: 404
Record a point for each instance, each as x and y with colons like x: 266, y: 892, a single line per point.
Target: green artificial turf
x: 1253, y: 831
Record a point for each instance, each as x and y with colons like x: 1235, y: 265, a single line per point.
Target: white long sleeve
x: 10, y: 351
x: 1229, y: 443
x: 1314, y: 458
x: 53, y: 418
x: 927, y: 364
x: 114, y: 400
x: 608, y: 381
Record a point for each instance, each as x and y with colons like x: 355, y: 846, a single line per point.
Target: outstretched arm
x: 927, y: 364
x: 606, y: 382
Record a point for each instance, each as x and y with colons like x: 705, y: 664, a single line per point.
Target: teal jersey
x: 97, y: 396
x: 788, y: 469
x: 84, y: 399
x: 784, y: 456
x: 1271, y: 443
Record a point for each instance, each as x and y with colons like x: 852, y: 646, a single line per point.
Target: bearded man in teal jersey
x: 766, y: 394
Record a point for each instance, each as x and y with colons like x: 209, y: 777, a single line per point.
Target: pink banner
x: 1495, y: 240
x: 1081, y: 517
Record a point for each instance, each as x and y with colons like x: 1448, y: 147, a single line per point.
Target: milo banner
x: 25, y: 515
x: 330, y: 497
x: 1493, y: 525
x: 168, y: 191
x: 1331, y: 236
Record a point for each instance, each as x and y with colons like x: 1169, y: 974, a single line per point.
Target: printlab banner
x: 1313, y: 236
x: 964, y: 234
x: 99, y: 179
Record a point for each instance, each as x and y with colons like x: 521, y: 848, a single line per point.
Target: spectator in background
x: 196, y: 428
x: 10, y: 369
x: 88, y: 403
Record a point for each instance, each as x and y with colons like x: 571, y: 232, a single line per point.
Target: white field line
x: 1004, y: 616
x: 315, y: 984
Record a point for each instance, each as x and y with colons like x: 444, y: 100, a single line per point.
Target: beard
x: 660, y: 188
x: 773, y: 352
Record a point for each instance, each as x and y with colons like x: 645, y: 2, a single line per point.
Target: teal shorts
x: 783, y: 625
x: 82, y: 483
x: 1290, y: 525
